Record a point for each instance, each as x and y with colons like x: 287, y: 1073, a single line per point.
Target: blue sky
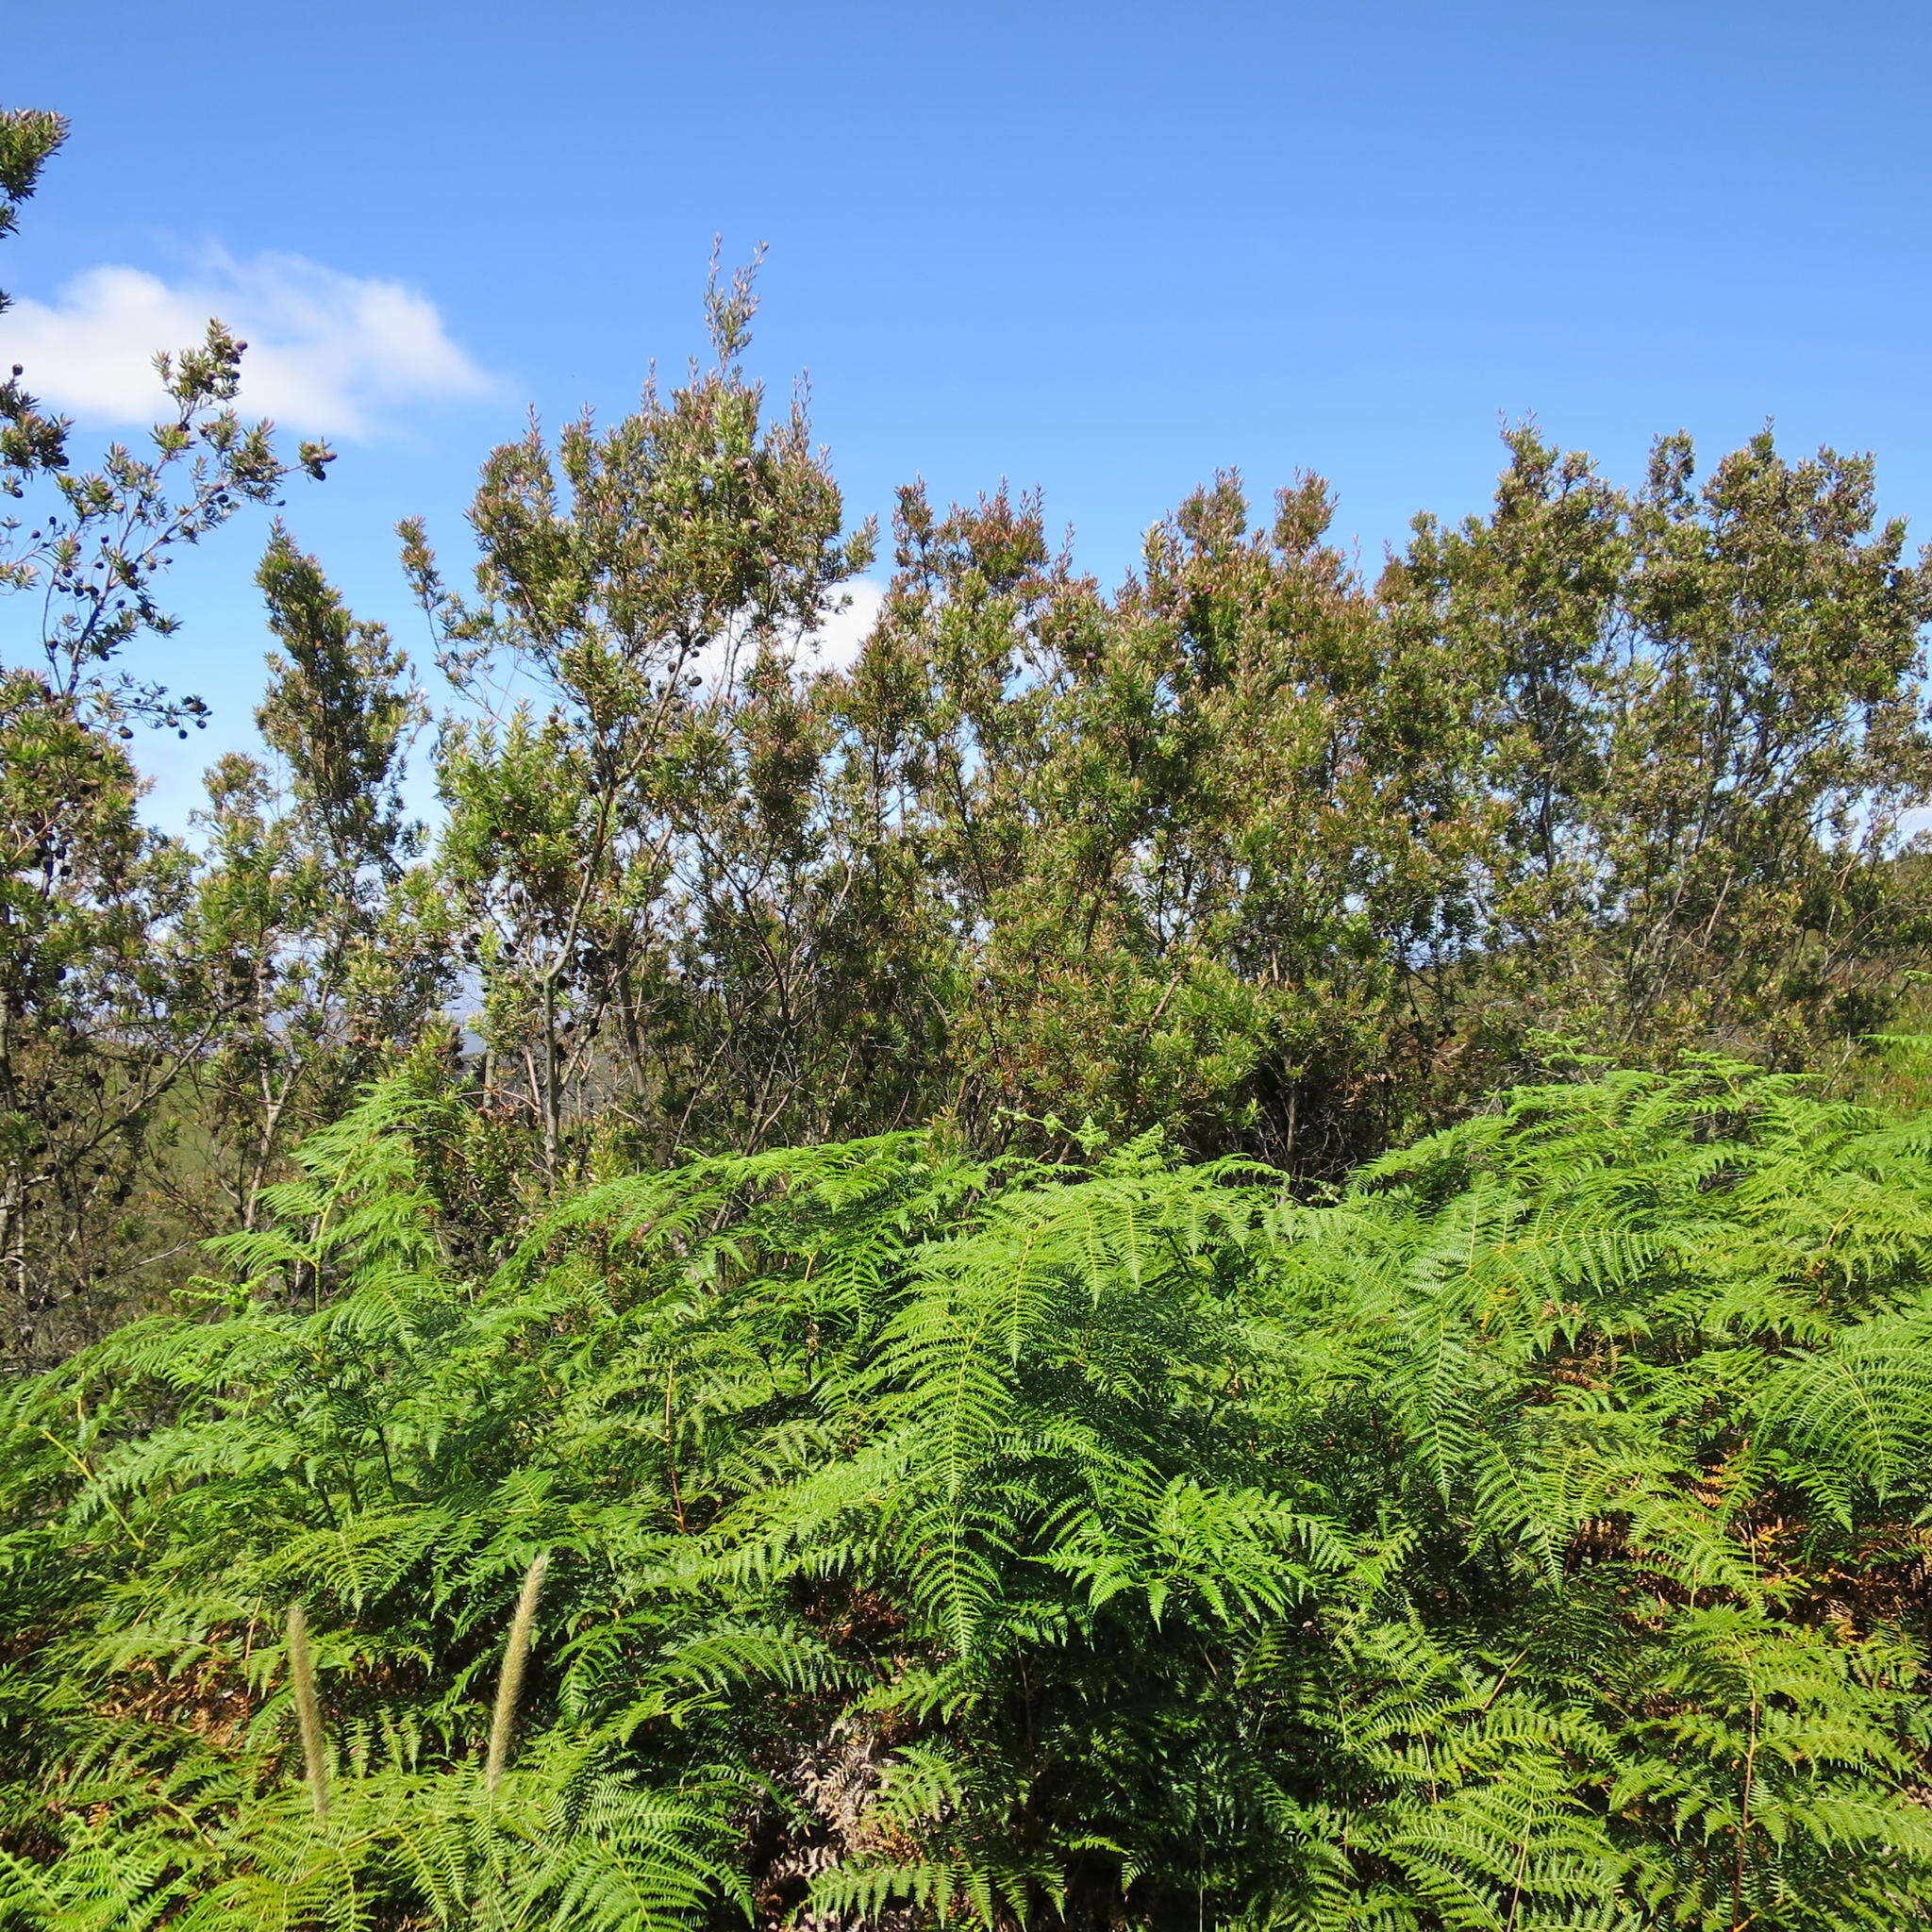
x: 1099, y: 250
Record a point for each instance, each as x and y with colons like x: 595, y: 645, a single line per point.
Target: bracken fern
x: 1530, y: 1535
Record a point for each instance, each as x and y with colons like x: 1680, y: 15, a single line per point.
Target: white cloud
x: 327, y: 352
x: 834, y: 646
x: 837, y: 642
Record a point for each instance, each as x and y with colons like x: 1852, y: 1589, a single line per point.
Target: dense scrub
x: 1281, y: 854
x: 1529, y: 1536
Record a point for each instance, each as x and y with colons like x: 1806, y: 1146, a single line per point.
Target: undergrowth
x: 1530, y: 1535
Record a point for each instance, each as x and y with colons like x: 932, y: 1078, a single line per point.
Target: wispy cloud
x: 336, y: 354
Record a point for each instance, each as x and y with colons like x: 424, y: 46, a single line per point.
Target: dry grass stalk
x: 307, y: 1710
x: 510, y: 1679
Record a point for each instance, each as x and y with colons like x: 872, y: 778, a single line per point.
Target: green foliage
x: 682, y: 1451
x: 1529, y: 1536
x: 29, y: 442
x: 333, y: 943
x: 591, y: 844
x: 104, y: 1002
x: 1250, y: 848
x: 95, y: 1024
x: 29, y: 138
